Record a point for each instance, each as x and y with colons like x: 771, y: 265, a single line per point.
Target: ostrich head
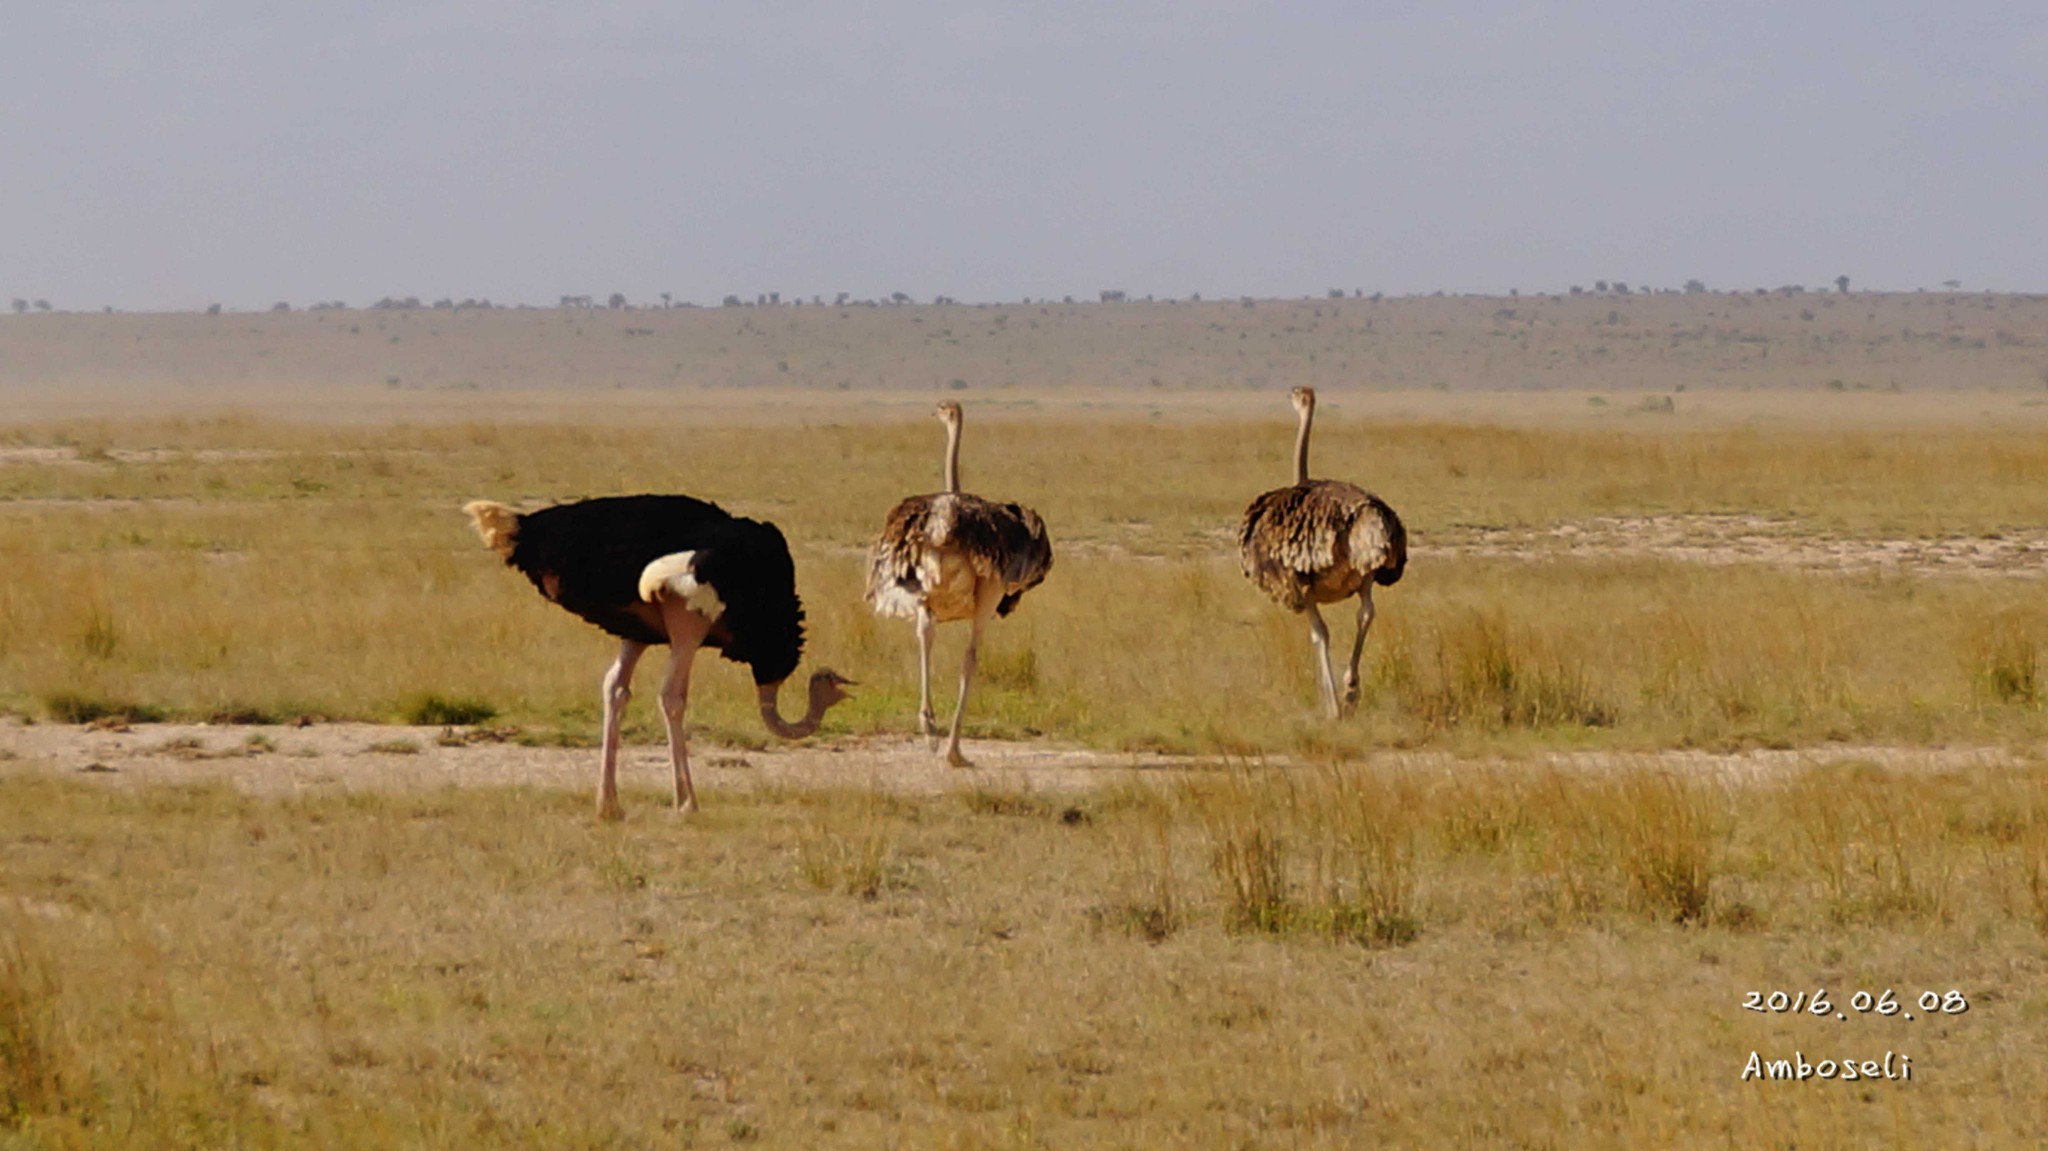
x: 828, y: 688
x: 948, y: 412
x: 1303, y: 399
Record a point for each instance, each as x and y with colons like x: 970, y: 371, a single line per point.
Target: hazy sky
x: 171, y: 154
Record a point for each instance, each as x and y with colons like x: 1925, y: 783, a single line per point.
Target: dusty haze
x: 1176, y: 357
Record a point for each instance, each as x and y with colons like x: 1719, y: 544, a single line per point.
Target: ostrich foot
x: 686, y: 807
x: 955, y: 759
x: 610, y: 812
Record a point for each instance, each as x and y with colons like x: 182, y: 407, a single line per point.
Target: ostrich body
x: 667, y: 570
x: 950, y: 556
x: 1318, y: 542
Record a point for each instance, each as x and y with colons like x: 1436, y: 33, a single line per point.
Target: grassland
x: 195, y: 567
x: 1297, y: 936
x: 1324, y: 957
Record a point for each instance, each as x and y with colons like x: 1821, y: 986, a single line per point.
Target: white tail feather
x: 496, y: 523
x: 675, y: 576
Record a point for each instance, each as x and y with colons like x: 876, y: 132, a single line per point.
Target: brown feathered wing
x: 933, y: 544
x: 1319, y: 542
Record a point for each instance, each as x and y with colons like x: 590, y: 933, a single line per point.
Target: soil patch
x: 352, y: 756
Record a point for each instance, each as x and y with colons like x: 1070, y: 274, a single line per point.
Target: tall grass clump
x: 1249, y: 859
x: 2004, y: 823
x: 2002, y: 657
x: 849, y: 846
x: 1364, y: 874
x: 1644, y: 839
x: 1567, y: 864
x: 86, y: 1064
x: 42, y: 1074
x: 1328, y: 851
x: 99, y: 637
x: 2034, y: 872
x: 1883, y: 848
x: 1481, y: 812
x: 1149, y: 902
x: 1667, y: 824
x: 1491, y: 676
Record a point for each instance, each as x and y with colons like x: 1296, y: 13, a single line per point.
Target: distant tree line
x: 618, y: 301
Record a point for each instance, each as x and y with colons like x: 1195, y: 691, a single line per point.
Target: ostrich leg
x: 618, y: 689
x: 1319, y: 634
x: 987, y: 594
x: 1365, y: 614
x: 686, y: 632
x: 927, y: 724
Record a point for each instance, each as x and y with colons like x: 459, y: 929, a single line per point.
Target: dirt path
x: 347, y: 756
x: 1746, y: 539
x: 1712, y: 540
x: 372, y: 756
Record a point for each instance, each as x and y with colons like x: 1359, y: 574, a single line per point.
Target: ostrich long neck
x: 953, y: 455
x: 1308, y: 416
x: 772, y: 715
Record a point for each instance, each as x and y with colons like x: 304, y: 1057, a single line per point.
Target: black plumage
x: 588, y: 557
x: 671, y: 570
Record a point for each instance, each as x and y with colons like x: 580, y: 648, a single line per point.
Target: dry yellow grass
x: 211, y: 566
x: 1484, y: 958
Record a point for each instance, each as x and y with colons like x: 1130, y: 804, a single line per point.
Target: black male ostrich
x: 1322, y: 541
x: 673, y: 570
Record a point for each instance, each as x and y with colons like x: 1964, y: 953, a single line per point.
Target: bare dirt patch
x: 1748, y: 539
x: 372, y: 757
x: 354, y: 756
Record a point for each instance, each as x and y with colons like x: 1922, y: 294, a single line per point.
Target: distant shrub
x: 432, y: 710
x: 74, y: 707
x: 241, y: 714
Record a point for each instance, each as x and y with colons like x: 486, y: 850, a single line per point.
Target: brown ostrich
x: 1322, y: 541
x: 949, y: 556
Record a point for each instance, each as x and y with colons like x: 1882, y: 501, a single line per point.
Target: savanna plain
x: 1716, y: 670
